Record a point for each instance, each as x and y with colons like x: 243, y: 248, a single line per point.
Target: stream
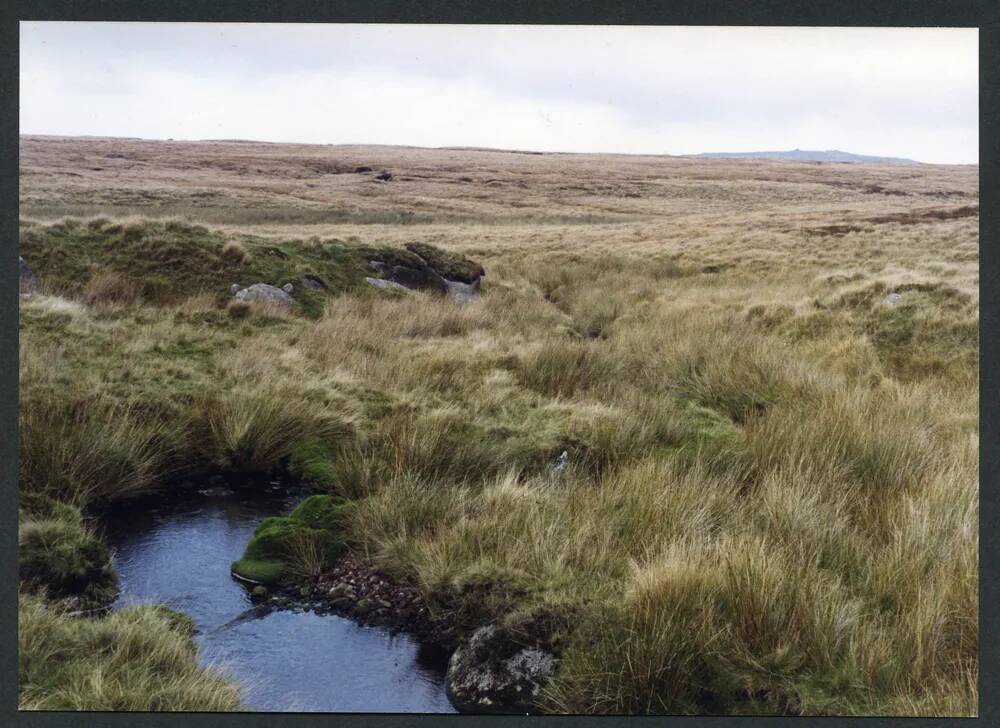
x: 177, y: 551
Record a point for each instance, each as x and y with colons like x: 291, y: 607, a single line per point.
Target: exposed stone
x: 234, y: 289
x: 409, y: 277
x: 288, y: 288
x: 262, y: 292
x: 313, y: 283
x: 384, y: 177
x: 363, y: 606
x: 451, y: 266
x: 362, y: 170
x: 893, y: 299
x: 490, y: 672
x: 386, y: 285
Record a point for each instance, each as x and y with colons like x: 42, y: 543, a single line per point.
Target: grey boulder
x: 490, y: 674
x: 264, y: 293
x: 386, y: 285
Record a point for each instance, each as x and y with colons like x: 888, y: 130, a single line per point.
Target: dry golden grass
x: 772, y: 501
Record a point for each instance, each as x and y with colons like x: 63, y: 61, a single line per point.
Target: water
x: 178, y: 552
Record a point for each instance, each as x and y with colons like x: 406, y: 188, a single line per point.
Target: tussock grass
x: 141, y: 658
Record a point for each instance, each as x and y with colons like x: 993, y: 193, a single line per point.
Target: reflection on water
x: 178, y: 552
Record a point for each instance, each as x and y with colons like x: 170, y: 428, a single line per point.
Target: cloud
x: 905, y: 92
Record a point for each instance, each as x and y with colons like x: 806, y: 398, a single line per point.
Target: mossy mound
x: 452, y: 266
x: 284, y: 547
x: 60, y: 556
x: 312, y: 460
x: 165, y: 262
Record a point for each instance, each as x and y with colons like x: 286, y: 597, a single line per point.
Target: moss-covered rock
x: 452, y: 266
x: 59, y: 555
x: 285, y: 546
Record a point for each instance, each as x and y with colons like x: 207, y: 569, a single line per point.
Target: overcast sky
x: 669, y: 90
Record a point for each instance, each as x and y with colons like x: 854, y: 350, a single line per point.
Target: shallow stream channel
x: 177, y: 551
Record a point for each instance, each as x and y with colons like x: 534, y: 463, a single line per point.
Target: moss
x: 260, y: 571
x: 321, y: 511
x: 280, y: 542
x: 313, y: 461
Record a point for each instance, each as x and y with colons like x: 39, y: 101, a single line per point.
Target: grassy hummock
x: 60, y: 556
x: 140, y: 658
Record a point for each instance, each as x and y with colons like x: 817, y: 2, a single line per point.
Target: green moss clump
x: 284, y: 547
x: 321, y: 511
x: 60, y: 556
x: 313, y: 462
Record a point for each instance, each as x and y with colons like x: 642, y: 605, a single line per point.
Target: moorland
x: 763, y: 375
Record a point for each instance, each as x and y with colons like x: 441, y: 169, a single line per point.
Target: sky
x: 907, y: 92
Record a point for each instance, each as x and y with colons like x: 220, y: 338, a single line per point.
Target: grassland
x: 771, y: 503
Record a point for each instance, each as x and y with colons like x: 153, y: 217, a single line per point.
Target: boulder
x: 28, y: 280
x: 288, y: 288
x: 451, y: 266
x: 384, y: 177
x: 491, y: 672
x: 264, y: 293
x: 386, y: 285
x: 463, y: 292
x: 409, y: 277
x: 313, y: 283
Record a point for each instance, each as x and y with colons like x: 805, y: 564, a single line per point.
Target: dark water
x: 178, y: 552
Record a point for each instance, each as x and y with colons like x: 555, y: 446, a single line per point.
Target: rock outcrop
x: 264, y: 293
x: 425, y: 267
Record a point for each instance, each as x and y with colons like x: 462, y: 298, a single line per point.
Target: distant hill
x: 804, y: 155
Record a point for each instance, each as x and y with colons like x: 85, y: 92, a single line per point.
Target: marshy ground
x: 764, y: 374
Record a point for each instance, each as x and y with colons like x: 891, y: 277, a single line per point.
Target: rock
x: 264, y: 293
x: 259, y: 591
x: 386, y: 285
x: 409, y: 277
x: 561, y: 462
x: 362, y: 170
x: 363, y: 607
x: 377, y: 265
x: 288, y: 288
x: 462, y: 292
x: 893, y: 299
x: 492, y: 673
x: 385, y: 604
x: 234, y: 289
x: 305, y: 591
x: 451, y: 266
x: 313, y: 283
x: 28, y: 280
x: 384, y: 177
